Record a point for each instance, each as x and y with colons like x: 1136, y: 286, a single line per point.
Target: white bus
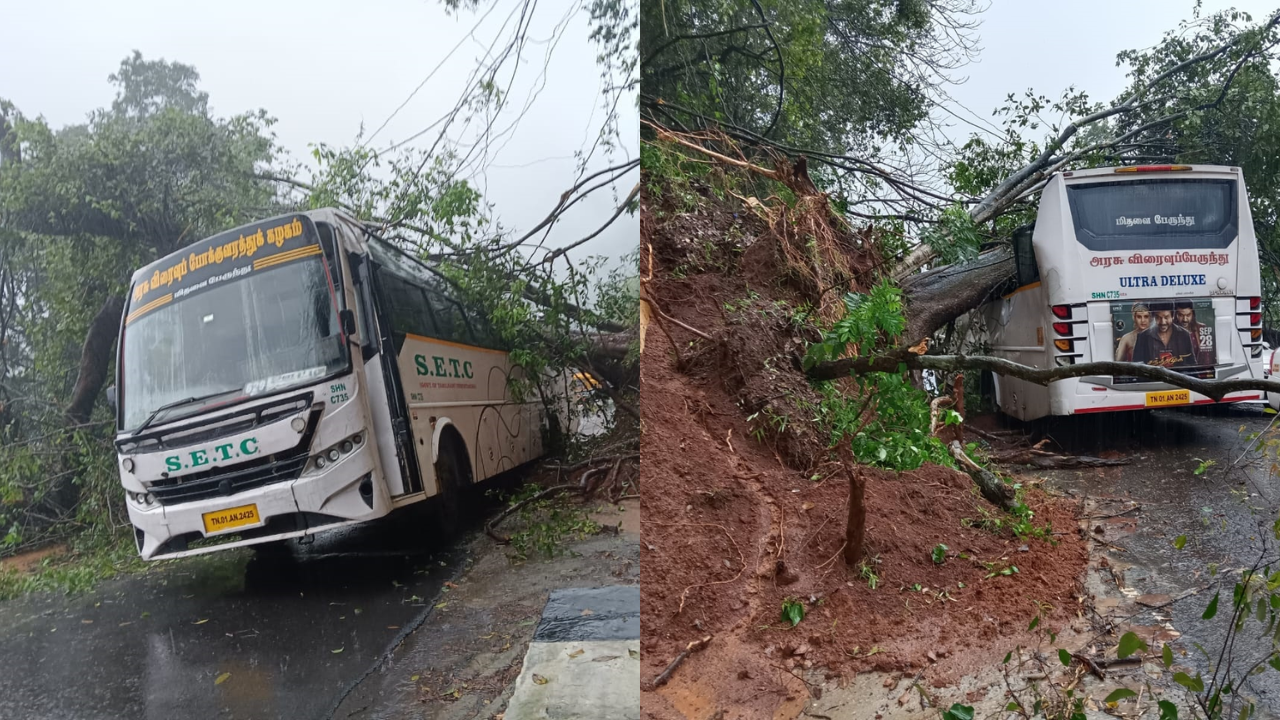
x: 1151, y: 264
x: 297, y: 375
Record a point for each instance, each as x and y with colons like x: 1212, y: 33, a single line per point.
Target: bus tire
x: 453, y: 477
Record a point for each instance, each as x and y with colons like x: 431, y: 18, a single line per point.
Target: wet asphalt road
x: 289, y: 633
x: 1227, y: 514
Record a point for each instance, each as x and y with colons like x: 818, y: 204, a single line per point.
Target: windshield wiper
x: 177, y: 403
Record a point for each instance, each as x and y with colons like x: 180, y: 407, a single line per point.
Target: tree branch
x: 891, y: 362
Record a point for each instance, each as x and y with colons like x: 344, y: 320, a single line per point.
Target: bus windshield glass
x: 265, y: 331
x: 1154, y: 214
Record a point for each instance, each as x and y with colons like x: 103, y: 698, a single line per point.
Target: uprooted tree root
x: 819, y: 253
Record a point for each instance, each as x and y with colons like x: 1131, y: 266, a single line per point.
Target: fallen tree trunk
x: 1053, y: 461
x: 891, y: 362
x: 936, y: 297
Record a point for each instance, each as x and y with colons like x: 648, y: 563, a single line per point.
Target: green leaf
x: 1034, y: 622
x: 1013, y: 707
x: 1274, y: 662
x: 958, y: 712
x: 1064, y: 656
x: 1120, y: 694
x: 1193, y: 684
x: 1168, y: 711
x: 1167, y: 655
x: 1212, y: 610
x: 1006, y: 657
x: 1130, y: 644
x: 939, y: 554
x: 1180, y: 542
x: 792, y: 612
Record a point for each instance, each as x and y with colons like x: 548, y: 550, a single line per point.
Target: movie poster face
x: 1176, y: 333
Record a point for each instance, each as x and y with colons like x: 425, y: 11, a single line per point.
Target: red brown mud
x: 28, y: 561
x: 720, y: 510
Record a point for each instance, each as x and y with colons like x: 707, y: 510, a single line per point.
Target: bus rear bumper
x: 349, y: 492
x: 1113, y: 401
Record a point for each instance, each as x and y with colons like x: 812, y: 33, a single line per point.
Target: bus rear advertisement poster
x: 1174, y: 333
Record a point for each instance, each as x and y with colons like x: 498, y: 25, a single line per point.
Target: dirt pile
x: 738, y: 520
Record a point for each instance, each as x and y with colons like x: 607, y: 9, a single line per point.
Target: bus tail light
x: 1062, y: 311
x: 1255, y: 335
x: 1152, y: 168
x: 1064, y: 360
x: 1255, y: 303
x: 1255, y: 319
x: 1257, y: 351
x: 1063, y: 345
x: 1062, y: 328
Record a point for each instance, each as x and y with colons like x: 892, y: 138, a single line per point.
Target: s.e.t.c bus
x: 1151, y: 264
x: 299, y: 374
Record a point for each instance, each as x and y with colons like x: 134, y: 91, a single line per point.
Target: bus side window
x: 407, y: 307
x: 451, y: 322
x: 1024, y: 256
x: 329, y: 244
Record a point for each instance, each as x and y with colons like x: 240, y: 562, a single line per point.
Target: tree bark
x: 856, y: 527
x: 890, y: 362
x: 993, y: 488
x: 936, y: 297
x: 95, y: 358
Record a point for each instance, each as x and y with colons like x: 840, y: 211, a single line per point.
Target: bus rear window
x: 1154, y: 214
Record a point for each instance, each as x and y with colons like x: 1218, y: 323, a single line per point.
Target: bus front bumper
x: 347, y: 492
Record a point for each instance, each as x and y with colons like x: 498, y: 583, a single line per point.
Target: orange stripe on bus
x: 1029, y: 286
x: 286, y: 257
x: 147, y: 308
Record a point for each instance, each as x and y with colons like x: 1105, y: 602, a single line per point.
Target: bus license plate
x: 1168, y: 397
x: 235, y: 517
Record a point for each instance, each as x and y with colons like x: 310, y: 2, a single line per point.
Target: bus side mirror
x: 348, y: 319
x: 111, y: 397
x: 1024, y: 256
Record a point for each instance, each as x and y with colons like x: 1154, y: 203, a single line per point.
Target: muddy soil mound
x: 737, y: 520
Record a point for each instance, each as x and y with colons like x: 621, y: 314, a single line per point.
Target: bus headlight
x: 127, y: 464
x: 298, y: 424
x: 334, y: 454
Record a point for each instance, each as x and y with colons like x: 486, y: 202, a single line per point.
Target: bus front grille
x: 175, y: 491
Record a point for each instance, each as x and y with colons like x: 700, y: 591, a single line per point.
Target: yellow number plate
x: 231, y: 518
x: 1168, y: 397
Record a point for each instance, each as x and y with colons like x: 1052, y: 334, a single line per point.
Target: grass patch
x: 90, y: 560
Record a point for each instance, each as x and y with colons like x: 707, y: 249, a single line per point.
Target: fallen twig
x: 490, y: 526
x: 983, y: 433
x: 689, y: 649
x: 1091, y: 664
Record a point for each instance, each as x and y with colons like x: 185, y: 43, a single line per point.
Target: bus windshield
x: 266, y: 331
x: 1163, y: 214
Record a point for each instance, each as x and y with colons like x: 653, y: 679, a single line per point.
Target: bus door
x: 380, y: 341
